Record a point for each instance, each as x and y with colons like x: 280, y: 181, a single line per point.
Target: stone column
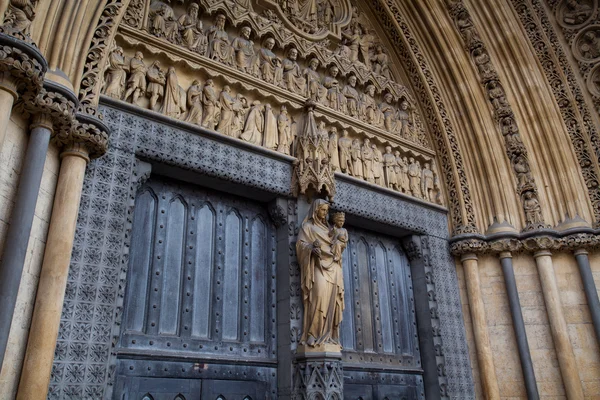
x: 54, y: 113
x: 482, y: 340
x: 22, y: 69
x: 17, y: 235
x: 89, y: 138
x: 591, y: 293
x: 558, y: 325
x: 519, y: 325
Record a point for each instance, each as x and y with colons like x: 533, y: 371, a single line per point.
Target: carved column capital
x: 538, y: 244
x: 88, y: 137
x: 22, y: 66
x: 53, y: 106
x: 468, y: 246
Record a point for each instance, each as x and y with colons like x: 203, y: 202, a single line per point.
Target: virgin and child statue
x: 319, y: 249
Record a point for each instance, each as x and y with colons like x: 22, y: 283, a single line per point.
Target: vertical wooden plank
x: 258, y: 252
x: 141, y: 258
x: 403, y: 302
x: 172, y: 273
x: 364, y: 302
x: 348, y: 333
x: 204, y: 264
x: 384, y: 299
x: 231, y: 279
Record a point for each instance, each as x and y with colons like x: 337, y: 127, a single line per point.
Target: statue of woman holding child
x: 319, y: 249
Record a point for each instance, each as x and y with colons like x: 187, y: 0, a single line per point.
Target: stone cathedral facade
x: 299, y: 199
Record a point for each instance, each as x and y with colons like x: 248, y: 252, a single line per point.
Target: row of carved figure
x: 364, y: 106
x: 287, y: 73
x: 366, y: 161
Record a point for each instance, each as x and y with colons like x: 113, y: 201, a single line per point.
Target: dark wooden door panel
x: 233, y: 390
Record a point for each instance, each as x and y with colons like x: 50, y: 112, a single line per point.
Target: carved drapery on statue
x: 319, y: 250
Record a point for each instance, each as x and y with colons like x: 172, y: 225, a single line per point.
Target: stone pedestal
x: 317, y: 375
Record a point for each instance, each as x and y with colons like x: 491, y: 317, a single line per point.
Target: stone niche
x: 247, y: 68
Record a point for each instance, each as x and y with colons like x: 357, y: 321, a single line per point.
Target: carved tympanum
x: 320, y: 248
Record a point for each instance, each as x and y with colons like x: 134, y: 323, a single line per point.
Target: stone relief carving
x: 319, y: 250
x: 360, y: 58
x: 19, y: 16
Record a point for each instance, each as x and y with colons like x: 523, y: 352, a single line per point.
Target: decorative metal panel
x: 379, y: 324
x: 201, y: 278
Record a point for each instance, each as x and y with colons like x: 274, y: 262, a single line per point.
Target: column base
x: 318, y: 375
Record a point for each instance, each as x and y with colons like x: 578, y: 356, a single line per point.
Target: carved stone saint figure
x: 533, y: 210
x: 389, y: 112
x: 284, y: 128
x: 219, y: 47
x: 406, y: 122
x: 367, y: 158
x: 352, y: 42
x: 269, y: 64
x: 377, y: 165
x: 244, y: 49
x: 345, y: 148
x: 191, y: 30
x: 334, y: 156
x: 427, y: 183
x: 271, y: 139
x: 590, y: 45
x: 352, y: 97
x: 292, y: 76
x: 172, y: 104
x: 401, y: 169
x: 115, y: 74
x: 211, y: 105
x: 136, y: 85
x: 414, y: 177
x: 255, y: 124
x: 357, y: 163
x: 369, y: 110
x: 194, y: 103
x: 318, y: 247
x: 19, y: 15
x: 389, y: 165
x: 156, y: 84
x: 313, y: 81
x: 240, y: 109
x: 226, y: 102
x: 335, y: 99
x: 379, y: 63
x: 163, y: 23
